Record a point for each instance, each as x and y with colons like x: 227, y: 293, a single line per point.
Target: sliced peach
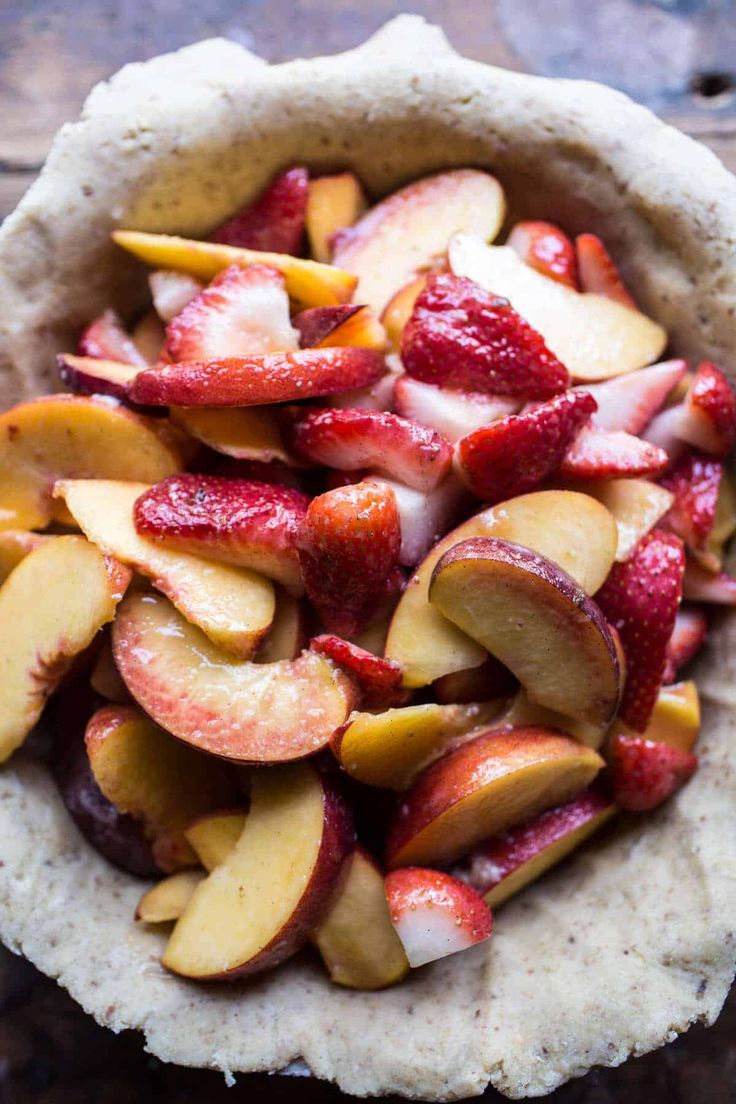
x: 167, y: 900
x: 522, y: 712
x: 70, y: 436
x: 388, y: 749
x: 333, y: 203
x: 724, y: 524
x: 636, y: 505
x: 15, y: 544
x: 361, y: 328
x: 149, y: 336
x: 409, y: 230
x: 51, y: 607
x: 248, y: 712
x: 289, y: 632
x: 571, y: 529
x: 243, y: 432
x: 594, y: 337
x: 356, y: 939
x: 212, y: 837
x: 259, y: 906
x: 398, y: 309
x: 233, y: 605
x: 483, y: 787
x: 675, y: 719
x: 105, y: 679
x: 308, y: 283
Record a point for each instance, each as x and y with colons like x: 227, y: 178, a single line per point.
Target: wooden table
x: 677, y: 56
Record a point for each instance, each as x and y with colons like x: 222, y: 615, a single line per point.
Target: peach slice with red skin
x: 434, y: 914
x: 485, y: 786
x: 92, y: 376
x: 15, y: 545
x: 258, y: 907
x: 247, y: 712
x: 636, y: 505
x: 213, y: 836
x: 167, y: 900
x: 243, y: 432
x: 534, y: 617
x: 333, y: 204
x: 349, y: 324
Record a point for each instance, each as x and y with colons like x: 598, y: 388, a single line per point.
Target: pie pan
x: 632, y: 940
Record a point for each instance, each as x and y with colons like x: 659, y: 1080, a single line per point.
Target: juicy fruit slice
x: 333, y: 204
x: 213, y: 837
x: 640, y: 598
x: 15, y: 545
x: 708, y: 419
x: 598, y: 272
x: 96, y: 377
x: 483, y: 787
x: 289, y: 630
x: 377, y: 678
x: 105, y: 678
x: 628, y: 403
x: 275, y: 220
x: 695, y: 483
x: 515, y: 454
x: 688, y: 637
x: 309, y: 283
x: 460, y: 336
x: 454, y: 414
x: 69, y: 437
x: 546, y: 248
x: 505, y: 864
x: 107, y: 339
x: 537, y: 620
x: 434, y: 914
x: 51, y: 607
x: 596, y: 454
x: 348, y: 546
x: 235, y: 521
x: 356, y: 939
x: 675, y: 720
x: 243, y: 310
x: 352, y: 440
x: 476, y: 684
x: 258, y: 907
x: 167, y: 900
x: 401, y: 236
x: 149, y: 336
x: 571, y: 529
x: 244, y: 433
x: 398, y: 310
x: 645, y: 774
x: 523, y: 712
x: 248, y: 712
x: 171, y: 291
x: 636, y: 505
x: 350, y: 324
x: 424, y: 515
x: 700, y: 585
x: 389, y: 749
x: 594, y: 337
x: 258, y: 379
x: 234, y: 606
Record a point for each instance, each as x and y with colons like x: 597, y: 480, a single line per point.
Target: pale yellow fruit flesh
x: 333, y: 203
x: 15, y: 544
x: 234, y: 606
x: 167, y: 900
x: 571, y: 529
x: 521, y: 711
x: 675, y: 719
x: 287, y: 635
x: 213, y: 837
x: 636, y: 506
x: 245, y: 433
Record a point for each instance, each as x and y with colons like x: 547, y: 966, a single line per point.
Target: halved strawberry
x: 546, y: 248
x: 460, y: 336
x: 171, y: 291
x: 709, y: 412
x: 425, y: 516
x: 454, y: 414
x: 629, y: 402
x: 695, y: 482
x: 645, y: 773
x: 640, y: 598
x: 107, y: 339
x: 434, y: 914
x: 273, y: 223
x: 597, y: 454
x: 516, y: 454
x: 348, y: 547
x: 243, y: 310
x: 704, y: 586
x: 377, y: 678
x: 688, y: 637
x: 355, y: 439
x: 597, y: 271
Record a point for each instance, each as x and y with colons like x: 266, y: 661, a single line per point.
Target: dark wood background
x: 677, y: 56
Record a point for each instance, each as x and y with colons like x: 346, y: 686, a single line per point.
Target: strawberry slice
x: 348, y: 548
x: 546, y: 248
x: 695, y: 482
x: 709, y: 412
x: 235, y: 521
x: 454, y: 414
x: 701, y: 585
x: 629, y: 402
x: 243, y: 310
x: 460, y: 336
x: 434, y: 914
x: 107, y: 339
x: 597, y: 454
x: 274, y: 223
x: 171, y: 291
x: 640, y: 598
x: 688, y: 637
x: 377, y: 678
x: 258, y: 379
x: 515, y: 454
x: 597, y: 271
x: 645, y: 773
x: 355, y: 439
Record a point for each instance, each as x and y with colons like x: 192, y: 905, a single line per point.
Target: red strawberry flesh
x: 709, y: 420
x: 646, y: 773
x: 597, y: 454
x: 106, y: 339
x: 435, y: 914
x: 546, y: 248
x: 695, y: 482
x: 274, y: 223
x: 688, y: 637
x: 597, y: 271
x: 377, y: 678
x: 317, y: 323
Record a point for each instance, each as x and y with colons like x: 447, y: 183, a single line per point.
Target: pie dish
x: 628, y: 944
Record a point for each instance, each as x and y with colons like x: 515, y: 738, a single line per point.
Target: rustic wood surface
x: 677, y: 56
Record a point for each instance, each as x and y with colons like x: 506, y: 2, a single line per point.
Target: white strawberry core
x: 430, y: 933
x: 251, y: 324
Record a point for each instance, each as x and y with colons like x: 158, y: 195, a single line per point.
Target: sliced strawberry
x: 629, y: 402
x: 597, y: 271
x: 107, y: 339
x: 709, y: 412
x: 171, y: 291
x: 705, y: 586
x: 377, y: 678
x: 516, y: 454
x: 377, y: 396
x: 454, y: 414
x: 425, y: 515
x: 695, y: 482
x: 546, y: 248
x: 258, y: 379
x: 355, y: 439
x: 645, y: 774
x: 243, y: 310
x: 236, y: 521
x: 434, y: 914
x: 461, y: 336
x: 348, y: 547
x: 273, y: 223
x: 596, y: 454
x: 688, y: 637
x: 640, y: 598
